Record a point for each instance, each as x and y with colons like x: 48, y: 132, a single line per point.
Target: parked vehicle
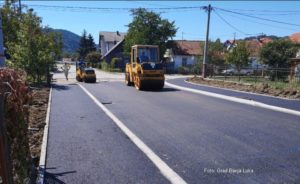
x: 232, y: 71
x: 229, y: 71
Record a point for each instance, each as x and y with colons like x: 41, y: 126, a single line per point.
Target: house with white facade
x: 185, y: 52
x: 108, y: 40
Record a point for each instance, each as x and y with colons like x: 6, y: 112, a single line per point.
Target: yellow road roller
x: 144, y: 70
x: 85, y: 74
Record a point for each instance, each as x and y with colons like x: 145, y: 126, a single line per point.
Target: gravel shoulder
x: 37, y: 116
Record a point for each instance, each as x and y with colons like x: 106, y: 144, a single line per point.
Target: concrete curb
x: 43, y: 156
x: 238, y: 100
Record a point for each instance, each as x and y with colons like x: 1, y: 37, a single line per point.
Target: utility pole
x: 2, y: 56
x: 234, y: 35
x: 205, y: 58
x: 20, y: 7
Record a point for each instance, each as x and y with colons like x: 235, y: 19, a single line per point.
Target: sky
x: 228, y: 18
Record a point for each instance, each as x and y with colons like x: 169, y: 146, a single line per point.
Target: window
x: 134, y: 55
x: 184, y: 61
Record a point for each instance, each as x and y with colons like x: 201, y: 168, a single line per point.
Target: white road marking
x: 238, y: 100
x: 42, y: 163
x: 246, y: 92
x: 166, y: 171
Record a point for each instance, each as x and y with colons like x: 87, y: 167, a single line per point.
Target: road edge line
x: 43, y: 155
x: 166, y: 171
x: 238, y: 100
x: 246, y: 92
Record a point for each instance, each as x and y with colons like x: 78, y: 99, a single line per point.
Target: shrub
x: 105, y: 66
x: 183, y: 70
x: 13, y: 83
x: 115, y: 62
x: 93, y: 58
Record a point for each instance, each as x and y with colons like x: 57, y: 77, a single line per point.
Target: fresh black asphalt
x: 285, y: 103
x: 86, y: 147
x: 197, y: 136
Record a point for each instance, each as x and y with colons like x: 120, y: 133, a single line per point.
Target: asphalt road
x: 203, y: 139
x: 280, y: 102
x: 86, y: 147
x: 208, y: 140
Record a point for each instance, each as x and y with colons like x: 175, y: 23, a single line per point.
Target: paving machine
x: 144, y: 70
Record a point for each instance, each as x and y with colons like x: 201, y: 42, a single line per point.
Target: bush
x: 93, y: 58
x: 16, y: 119
x: 183, y: 70
x: 105, y: 66
x: 115, y: 62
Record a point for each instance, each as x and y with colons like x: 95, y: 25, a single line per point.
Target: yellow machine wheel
x: 138, y: 83
x: 78, y: 78
x: 127, y: 79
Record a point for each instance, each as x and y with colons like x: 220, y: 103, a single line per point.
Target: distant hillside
x: 70, y: 40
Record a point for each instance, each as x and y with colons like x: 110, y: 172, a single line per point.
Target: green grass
x: 280, y: 84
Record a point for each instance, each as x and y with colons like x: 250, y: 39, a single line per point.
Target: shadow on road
x: 51, y: 178
x: 163, y: 90
x: 60, y: 87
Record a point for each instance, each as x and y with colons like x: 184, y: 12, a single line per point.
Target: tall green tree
x: 86, y: 45
x: 148, y: 27
x: 83, y: 45
x: 238, y: 56
x: 31, y: 49
x: 277, y: 53
x: 215, y: 52
x: 91, y: 44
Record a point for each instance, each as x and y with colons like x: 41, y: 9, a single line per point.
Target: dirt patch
x: 262, y: 88
x: 37, y: 117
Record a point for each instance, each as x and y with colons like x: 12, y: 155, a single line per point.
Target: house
x: 107, y: 40
x: 117, y: 51
x: 185, y: 52
x: 295, y: 38
x: 253, y: 46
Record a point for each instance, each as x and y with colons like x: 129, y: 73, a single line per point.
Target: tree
x: 86, y: 45
x: 91, y: 44
x: 30, y: 48
x: 215, y: 52
x: 148, y: 27
x: 277, y: 53
x: 238, y: 56
x: 83, y: 45
x: 93, y: 57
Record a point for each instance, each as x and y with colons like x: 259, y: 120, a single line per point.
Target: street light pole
x: 205, y: 58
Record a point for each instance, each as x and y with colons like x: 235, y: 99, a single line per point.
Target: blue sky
x: 191, y: 23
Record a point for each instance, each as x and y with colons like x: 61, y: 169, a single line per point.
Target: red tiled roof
x: 265, y: 40
x: 295, y: 37
x: 185, y: 47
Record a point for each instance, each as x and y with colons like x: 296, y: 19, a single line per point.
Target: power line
x: 252, y: 21
x: 119, y: 9
x: 229, y: 23
x: 271, y: 11
x: 265, y: 19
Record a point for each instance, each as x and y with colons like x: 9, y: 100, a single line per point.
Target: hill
x: 70, y: 40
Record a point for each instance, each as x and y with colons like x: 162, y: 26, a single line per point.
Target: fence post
x: 5, y: 174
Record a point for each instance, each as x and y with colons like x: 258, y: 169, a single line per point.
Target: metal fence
x: 277, y: 77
